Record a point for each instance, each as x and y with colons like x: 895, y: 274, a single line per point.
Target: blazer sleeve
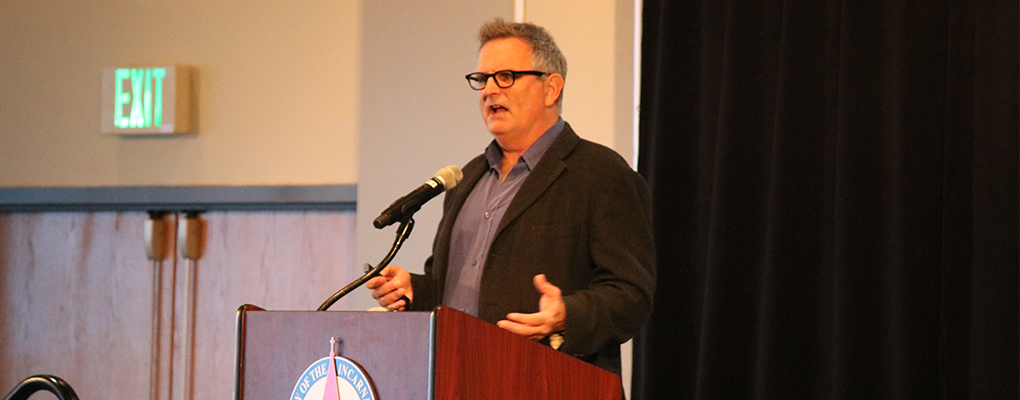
x: 424, y: 288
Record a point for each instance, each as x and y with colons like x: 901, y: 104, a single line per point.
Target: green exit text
x: 139, y: 104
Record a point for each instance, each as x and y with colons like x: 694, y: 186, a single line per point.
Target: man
x: 548, y: 235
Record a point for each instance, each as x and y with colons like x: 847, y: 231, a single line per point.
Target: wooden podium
x: 443, y: 354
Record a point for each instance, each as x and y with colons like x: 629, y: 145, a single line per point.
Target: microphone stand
x: 403, y: 232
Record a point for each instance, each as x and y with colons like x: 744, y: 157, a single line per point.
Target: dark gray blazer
x: 582, y: 217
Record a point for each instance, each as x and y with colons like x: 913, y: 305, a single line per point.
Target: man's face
x: 515, y: 111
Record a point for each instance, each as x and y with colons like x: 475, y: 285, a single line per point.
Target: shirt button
x: 487, y: 215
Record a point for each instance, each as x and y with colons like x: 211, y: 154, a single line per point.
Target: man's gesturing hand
x: 549, y: 318
x: 392, y: 284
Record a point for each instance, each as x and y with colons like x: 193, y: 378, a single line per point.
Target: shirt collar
x: 494, y: 154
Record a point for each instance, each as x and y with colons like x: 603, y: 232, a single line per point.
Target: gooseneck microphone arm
x: 402, y: 210
x: 403, y: 232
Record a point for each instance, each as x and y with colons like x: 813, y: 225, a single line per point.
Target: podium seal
x: 333, y: 378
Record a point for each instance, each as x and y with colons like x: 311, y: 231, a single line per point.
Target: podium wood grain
x: 477, y: 360
x: 403, y: 352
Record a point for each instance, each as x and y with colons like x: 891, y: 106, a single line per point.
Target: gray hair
x: 545, y: 55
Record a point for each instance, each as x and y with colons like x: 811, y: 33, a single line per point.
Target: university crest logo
x: 333, y: 378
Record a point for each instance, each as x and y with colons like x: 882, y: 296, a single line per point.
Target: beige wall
x: 596, y: 37
x: 277, y: 87
x: 277, y: 91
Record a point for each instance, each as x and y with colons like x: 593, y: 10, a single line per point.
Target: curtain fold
x: 835, y: 189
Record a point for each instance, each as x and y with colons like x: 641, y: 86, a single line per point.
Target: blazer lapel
x: 539, y: 180
x: 473, y: 172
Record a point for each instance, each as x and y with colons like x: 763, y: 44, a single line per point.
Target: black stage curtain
x: 836, y: 199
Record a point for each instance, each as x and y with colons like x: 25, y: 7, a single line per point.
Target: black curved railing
x: 35, y: 383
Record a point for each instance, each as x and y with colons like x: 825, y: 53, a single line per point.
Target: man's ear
x: 553, y: 88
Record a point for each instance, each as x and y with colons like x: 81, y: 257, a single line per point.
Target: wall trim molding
x: 180, y: 198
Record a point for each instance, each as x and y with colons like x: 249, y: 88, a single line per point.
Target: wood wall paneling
x: 74, y: 304
x: 77, y: 295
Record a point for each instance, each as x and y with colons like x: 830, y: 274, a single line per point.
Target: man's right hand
x: 390, y: 288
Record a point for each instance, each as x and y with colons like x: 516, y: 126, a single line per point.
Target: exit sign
x: 146, y: 100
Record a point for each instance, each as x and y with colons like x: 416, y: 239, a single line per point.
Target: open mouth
x: 496, y: 109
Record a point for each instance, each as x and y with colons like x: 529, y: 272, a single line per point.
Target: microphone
x: 406, y: 206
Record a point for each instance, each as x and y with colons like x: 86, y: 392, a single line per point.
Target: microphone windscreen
x: 449, y: 176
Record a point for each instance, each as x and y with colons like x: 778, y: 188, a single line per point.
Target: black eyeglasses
x: 504, y: 78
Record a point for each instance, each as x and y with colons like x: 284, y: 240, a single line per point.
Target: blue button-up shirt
x: 478, y: 219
